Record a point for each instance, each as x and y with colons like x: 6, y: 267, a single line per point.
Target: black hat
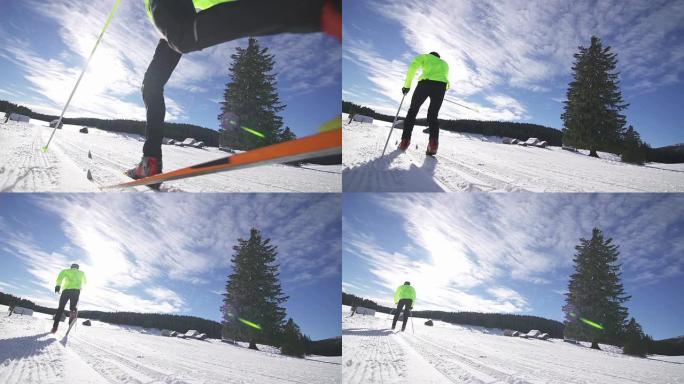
x: 407, y: 283
x: 74, y: 265
x: 435, y: 54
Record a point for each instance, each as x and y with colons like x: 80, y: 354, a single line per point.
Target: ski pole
x: 392, y: 127
x: 413, y: 332
x: 59, y: 122
x: 461, y: 105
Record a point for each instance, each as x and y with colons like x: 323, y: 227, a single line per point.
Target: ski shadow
x: 665, y: 361
x: 18, y: 348
x: 366, y: 332
x: 376, y: 176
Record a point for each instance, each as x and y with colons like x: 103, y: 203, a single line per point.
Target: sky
x: 512, y: 253
x: 513, y: 59
x: 44, y: 46
x: 171, y: 253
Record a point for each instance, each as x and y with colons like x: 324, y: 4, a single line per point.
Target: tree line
x: 522, y: 323
x: 176, y: 131
x: 521, y: 131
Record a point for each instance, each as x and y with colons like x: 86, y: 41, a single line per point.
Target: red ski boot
x: 432, y: 147
x: 148, y: 166
x: 331, y: 19
x: 404, y: 144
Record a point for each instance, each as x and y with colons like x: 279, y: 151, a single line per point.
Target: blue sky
x: 513, y: 59
x: 171, y: 253
x: 44, y: 45
x: 512, y: 253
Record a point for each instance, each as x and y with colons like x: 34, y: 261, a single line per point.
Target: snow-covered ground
x: 448, y: 353
x: 24, y: 167
x: 468, y: 162
x: 105, y: 353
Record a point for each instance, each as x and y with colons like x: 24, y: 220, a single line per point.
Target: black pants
x: 186, y: 31
x: 70, y: 295
x: 406, y: 304
x: 435, y: 90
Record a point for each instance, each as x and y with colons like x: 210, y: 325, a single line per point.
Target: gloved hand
x: 57, y: 288
x: 405, y: 90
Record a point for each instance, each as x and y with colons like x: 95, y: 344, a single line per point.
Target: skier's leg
x: 418, y: 98
x: 437, y: 91
x: 187, y: 31
x: 407, y: 305
x: 73, y: 303
x: 158, y: 73
x: 396, y: 314
x: 60, y: 309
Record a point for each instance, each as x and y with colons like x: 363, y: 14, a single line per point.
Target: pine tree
x: 633, y: 149
x: 596, y: 293
x: 252, y: 95
x: 253, y: 294
x: 636, y: 342
x: 294, y: 343
x: 591, y: 117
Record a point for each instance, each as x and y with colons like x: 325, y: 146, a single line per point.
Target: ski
x: 319, y: 145
x: 71, y: 324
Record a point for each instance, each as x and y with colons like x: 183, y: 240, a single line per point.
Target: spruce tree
x: 595, y: 292
x: 252, y: 95
x: 636, y: 342
x: 294, y: 343
x: 252, y: 303
x: 591, y: 117
x: 633, y: 149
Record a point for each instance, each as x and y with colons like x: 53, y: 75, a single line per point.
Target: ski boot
x: 403, y: 146
x: 432, y: 147
x: 72, y: 316
x: 148, y: 166
x: 54, y: 329
x: 331, y: 18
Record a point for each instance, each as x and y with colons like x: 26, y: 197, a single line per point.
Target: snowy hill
x: 469, y: 162
x: 448, y: 353
x: 24, y: 167
x: 105, y: 353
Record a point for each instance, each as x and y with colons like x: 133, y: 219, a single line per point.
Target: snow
x: 105, y: 353
x: 469, y: 162
x: 24, y: 167
x: 448, y: 353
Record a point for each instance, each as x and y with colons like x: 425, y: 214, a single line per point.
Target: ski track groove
x: 105, y: 362
x: 493, y: 375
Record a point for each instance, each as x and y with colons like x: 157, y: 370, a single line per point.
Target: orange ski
x: 314, y: 146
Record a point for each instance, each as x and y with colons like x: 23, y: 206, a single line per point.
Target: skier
x: 433, y: 83
x: 71, y: 280
x: 404, y: 297
x: 185, y: 30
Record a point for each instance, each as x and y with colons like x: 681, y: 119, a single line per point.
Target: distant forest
x: 178, y: 323
x: 522, y: 323
x: 520, y: 131
x: 171, y: 130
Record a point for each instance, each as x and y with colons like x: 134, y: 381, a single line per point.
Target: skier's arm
x: 447, y: 76
x: 58, y: 283
x: 415, y: 64
x: 396, y: 296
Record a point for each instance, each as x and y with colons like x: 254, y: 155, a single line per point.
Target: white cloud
x: 135, y: 250
x: 473, y: 248
x: 528, y: 46
x: 111, y: 86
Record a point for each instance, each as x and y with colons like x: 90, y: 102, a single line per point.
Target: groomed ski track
x: 447, y: 353
x: 469, y: 162
x: 24, y: 167
x: 103, y: 353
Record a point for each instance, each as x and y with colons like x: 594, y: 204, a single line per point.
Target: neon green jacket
x: 71, y: 278
x: 432, y: 68
x: 405, y: 292
x: 199, y: 4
